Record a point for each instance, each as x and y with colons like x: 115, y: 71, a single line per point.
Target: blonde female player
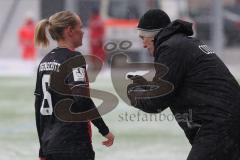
x: 61, y: 140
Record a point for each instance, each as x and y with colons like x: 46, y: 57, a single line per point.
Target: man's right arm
x: 170, y: 71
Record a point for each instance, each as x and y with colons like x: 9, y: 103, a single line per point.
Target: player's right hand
x: 110, y: 139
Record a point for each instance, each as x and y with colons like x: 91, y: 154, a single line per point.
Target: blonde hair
x: 55, y: 25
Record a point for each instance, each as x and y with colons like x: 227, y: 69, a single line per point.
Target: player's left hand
x: 110, y: 139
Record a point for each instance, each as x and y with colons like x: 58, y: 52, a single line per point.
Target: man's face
x: 148, y: 43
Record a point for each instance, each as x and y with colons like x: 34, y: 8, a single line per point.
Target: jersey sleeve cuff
x: 104, y: 131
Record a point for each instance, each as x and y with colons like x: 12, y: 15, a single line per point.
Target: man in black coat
x: 189, y: 78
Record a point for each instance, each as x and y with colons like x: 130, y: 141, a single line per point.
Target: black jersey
x: 56, y: 135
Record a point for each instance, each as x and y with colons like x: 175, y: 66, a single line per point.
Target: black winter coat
x: 203, y: 89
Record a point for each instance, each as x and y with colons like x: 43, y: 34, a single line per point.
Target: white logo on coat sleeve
x: 79, y: 74
x: 206, y: 49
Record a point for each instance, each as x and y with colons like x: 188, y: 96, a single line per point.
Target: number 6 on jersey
x: 46, y: 108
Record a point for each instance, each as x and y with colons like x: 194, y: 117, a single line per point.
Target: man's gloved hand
x: 131, y: 94
x: 137, y: 79
x: 133, y: 90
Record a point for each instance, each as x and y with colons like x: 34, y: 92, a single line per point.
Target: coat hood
x: 177, y: 26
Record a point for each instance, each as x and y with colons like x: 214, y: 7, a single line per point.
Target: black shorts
x: 72, y: 150
x: 70, y: 157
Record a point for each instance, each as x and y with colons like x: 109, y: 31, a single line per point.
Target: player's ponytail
x: 40, y: 36
x: 55, y: 25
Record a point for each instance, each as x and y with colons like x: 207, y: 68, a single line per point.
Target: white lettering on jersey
x: 49, y: 66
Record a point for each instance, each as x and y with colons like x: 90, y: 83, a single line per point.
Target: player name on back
x: 49, y: 66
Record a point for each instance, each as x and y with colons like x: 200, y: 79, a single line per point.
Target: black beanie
x: 153, y: 19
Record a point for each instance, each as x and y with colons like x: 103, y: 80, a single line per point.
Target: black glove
x: 132, y: 89
x: 137, y: 79
x: 132, y: 93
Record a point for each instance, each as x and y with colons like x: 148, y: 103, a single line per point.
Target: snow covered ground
x: 136, y: 139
